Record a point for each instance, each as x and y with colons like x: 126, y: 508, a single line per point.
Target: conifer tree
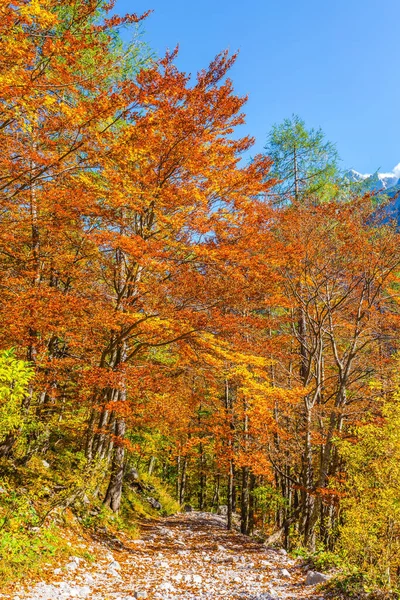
x: 304, y: 162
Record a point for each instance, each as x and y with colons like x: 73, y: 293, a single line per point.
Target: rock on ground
x: 314, y: 578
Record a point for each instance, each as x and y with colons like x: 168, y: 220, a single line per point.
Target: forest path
x: 187, y: 556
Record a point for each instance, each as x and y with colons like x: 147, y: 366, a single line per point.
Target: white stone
x: 197, y: 578
x: 64, y: 586
x: 85, y: 590
x: 265, y: 563
x: 313, y: 578
x: 164, y: 564
x: 114, y: 573
x: 285, y: 573
x: 166, y: 586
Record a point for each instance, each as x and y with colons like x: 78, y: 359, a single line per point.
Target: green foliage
x: 305, y: 164
x: 370, y: 535
x: 24, y: 545
x: 15, y: 376
x: 28, y: 550
x: 269, y: 499
x: 357, y: 585
x: 163, y: 493
x: 98, y: 517
x: 321, y: 559
x: 352, y: 585
x: 135, y: 503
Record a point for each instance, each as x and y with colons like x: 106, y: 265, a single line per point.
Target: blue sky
x: 335, y: 63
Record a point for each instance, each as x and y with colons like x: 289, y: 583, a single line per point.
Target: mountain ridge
x: 377, y: 182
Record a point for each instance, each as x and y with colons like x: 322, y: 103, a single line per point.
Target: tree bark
x: 114, y: 491
x: 245, y: 500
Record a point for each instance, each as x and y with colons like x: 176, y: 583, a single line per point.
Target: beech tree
x: 338, y: 269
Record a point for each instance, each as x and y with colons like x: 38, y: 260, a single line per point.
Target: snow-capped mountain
x: 353, y: 175
x: 376, y: 182
x: 384, y: 185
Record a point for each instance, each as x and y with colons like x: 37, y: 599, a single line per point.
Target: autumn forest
x: 182, y: 319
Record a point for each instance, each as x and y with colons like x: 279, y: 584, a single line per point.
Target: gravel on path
x: 187, y: 556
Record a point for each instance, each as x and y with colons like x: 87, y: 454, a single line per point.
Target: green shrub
x: 15, y: 376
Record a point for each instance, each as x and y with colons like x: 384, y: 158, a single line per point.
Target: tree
x: 370, y: 530
x: 115, y: 181
x: 304, y: 163
x: 15, y: 376
x: 339, y: 267
x: 156, y: 200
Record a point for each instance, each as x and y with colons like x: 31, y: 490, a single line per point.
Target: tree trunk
x: 245, y: 501
x: 231, y: 472
x: 151, y: 465
x: 296, y: 174
x: 215, y: 499
x: 114, y: 491
x: 252, y: 485
x: 307, y: 498
x: 202, y: 478
x: 230, y: 499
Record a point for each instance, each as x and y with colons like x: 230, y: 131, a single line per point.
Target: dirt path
x: 188, y: 557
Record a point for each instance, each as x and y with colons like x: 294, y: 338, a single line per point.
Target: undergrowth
x: 348, y: 582
x: 356, y: 585
x: 44, y: 523
x: 320, y: 560
x: 25, y: 546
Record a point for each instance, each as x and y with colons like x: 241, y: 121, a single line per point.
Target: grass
x: 136, y: 505
x: 29, y: 552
